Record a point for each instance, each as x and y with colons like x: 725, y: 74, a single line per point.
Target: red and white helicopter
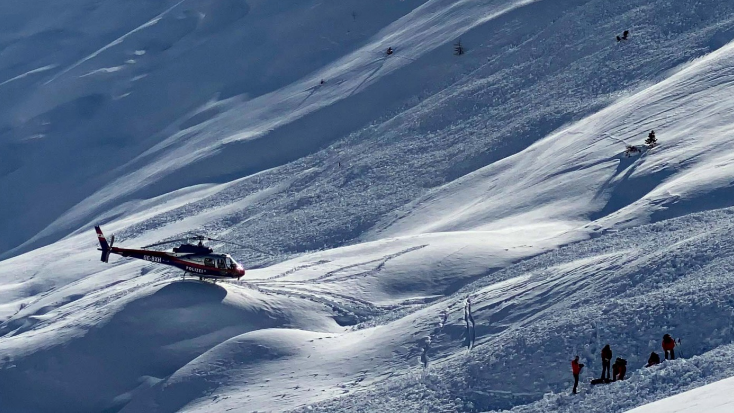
x: 195, y: 259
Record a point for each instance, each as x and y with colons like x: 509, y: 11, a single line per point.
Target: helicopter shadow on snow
x: 191, y: 292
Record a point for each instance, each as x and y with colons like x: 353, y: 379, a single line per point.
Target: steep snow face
x: 580, y: 172
x: 445, y: 173
x: 88, y: 86
x: 530, y: 67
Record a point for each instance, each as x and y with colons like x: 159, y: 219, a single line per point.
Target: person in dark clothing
x: 615, y: 370
x: 619, y: 39
x: 389, y: 51
x: 625, y: 35
x: 619, y: 369
x: 576, y: 369
x: 606, y: 358
x: 669, y: 346
x: 653, y: 360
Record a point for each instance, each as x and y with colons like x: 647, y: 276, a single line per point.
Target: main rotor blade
x: 166, y: 242
x: 241, y: 245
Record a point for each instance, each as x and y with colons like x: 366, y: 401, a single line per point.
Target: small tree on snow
x: 651, y: 139
x: 458, y: 48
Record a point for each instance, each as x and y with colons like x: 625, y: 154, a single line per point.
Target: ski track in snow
x: 402, y: 190
x: 28, y: 73
x: 114, y: 43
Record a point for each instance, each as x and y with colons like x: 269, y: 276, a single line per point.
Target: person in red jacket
x: 669, y: 346
x: 606, y: 358
x: 576, y: 369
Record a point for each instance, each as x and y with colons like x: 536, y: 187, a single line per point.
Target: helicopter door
x: 221, y: 264
x: 208, y: 262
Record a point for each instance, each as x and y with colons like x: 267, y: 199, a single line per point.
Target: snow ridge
x: 448, y: 231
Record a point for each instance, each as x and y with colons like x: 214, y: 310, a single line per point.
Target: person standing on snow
x: 576, y: 369
x: 669, y: 346
x: 606, y: 358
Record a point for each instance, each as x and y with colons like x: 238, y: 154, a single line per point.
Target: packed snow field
x: 448, y: 231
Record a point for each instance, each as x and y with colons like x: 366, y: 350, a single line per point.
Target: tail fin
x: 103, y: 243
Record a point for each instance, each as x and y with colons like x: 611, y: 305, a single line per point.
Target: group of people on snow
x: 668, y: 348
x: 619, y: 369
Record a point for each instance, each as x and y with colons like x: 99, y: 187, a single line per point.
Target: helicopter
x: 197, y: 259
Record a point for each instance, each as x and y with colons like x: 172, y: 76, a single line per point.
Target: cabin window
x: 220, y: 263
x: 230, y: 263
x: 208, y: 262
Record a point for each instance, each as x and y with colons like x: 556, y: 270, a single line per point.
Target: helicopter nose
x: 240, y: 270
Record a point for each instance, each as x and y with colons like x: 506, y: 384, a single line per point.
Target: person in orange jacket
x: 606, y: 359
x: 576, y: 369
x: 669, y: 346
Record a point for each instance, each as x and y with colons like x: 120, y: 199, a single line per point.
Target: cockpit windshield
x: 232, y: 264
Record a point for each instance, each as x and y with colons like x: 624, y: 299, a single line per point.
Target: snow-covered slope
x: 450, y: 229
x: 427, y: 110
x: 93, y: 89
x: 714, y: 398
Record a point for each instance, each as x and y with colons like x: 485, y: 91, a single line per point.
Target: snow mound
x: 449, y: 230
x: 144, y: 331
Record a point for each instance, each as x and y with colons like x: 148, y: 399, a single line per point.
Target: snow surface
x: 713, y: 398
x: 449, y: 231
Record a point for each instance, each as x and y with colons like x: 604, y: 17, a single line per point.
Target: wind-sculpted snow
x: 517, y: 83
x: 624, y: 288
x: 447, y: 231
x: 149, y: 330
x: 91, y: 86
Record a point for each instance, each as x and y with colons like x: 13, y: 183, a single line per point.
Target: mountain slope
x: 462, y: 113
x: 125, y: 77
x: 450, y: 229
